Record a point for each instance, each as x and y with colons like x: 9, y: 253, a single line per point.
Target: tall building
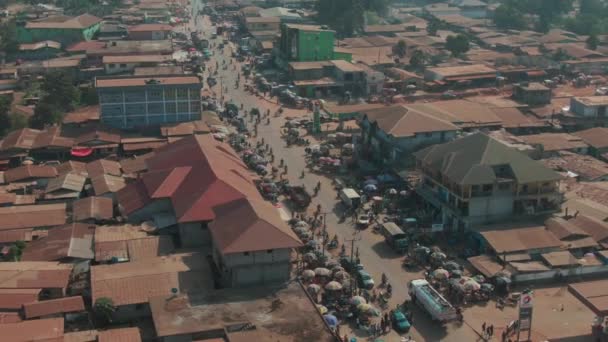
x: 306, y: 43
x: 138, y: 101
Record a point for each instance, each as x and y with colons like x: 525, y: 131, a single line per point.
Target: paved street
x: 375, y: 254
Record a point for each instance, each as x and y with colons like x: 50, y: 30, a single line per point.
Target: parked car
x: 400, y: 322
x: 365, y: 280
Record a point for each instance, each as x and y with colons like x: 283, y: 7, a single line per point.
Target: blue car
x: 400, y: 322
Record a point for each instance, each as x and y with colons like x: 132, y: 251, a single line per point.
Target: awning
x: 81, y: 151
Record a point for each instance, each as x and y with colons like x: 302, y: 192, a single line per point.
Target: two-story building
x: 478, y: 180
x: 137, y: 101
x: 262, y: 24
x: 198, y: 188
x: 150, y: 32
x: 305, y: 43
x: 62, y: 29
x: 389, y: 135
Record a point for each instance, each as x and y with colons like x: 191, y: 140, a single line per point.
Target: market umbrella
x: 308, y: 274
x: 370, y: 187
x: 357, y: 300
x: 312, y: 243
x: 392, y: 191
x: 377, y: 198
x: 313, y: 288
x: 451, y: 266
x: 487, y: 287
x: 441, y: 274
x: 331, y: 320
x: 471, y: 285
x: 331, y: 264
x: 341, y: 275
x: 456, y: 274
x: 301, y: 224
x: 337, y: 269
x: 300, y: 230
x: 368, y: 309
x: 309, y: 257
x: 479, y: 278
x: 322, y: 309
x: 322, y: 271
x: 438, y: 256
x: 370, y: 181
x: 333, y: 286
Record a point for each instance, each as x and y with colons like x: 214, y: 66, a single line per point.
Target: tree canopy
x: 511, y: 13
x: 458, y: 44
x: 400, y: 49
x: 59, y: 96
x: 348, y: 16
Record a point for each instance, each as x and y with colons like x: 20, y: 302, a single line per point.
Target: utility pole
x: 356, y: 237
x: 324, y: 230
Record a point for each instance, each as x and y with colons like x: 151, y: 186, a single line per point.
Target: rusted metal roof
x: 29, y: 172
x: 103, y: 166
x: 33, y: 330
x: 20, y: 139
x: 53, y: 306
x: 13, y: 299
x: 74, y: 240
x: 34, y: 275
x: 120, y: 335
x: 32, y: 216
x: 93, y: 207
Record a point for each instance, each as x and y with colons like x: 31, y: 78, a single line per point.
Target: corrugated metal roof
x: 32, y: 216
x: 74, y: 240
x: 13, y: 299
x: 149, y: 247
x: 53, y: 306
x: 120, y: 335
x: 34, y: 275
x: 103, y: 166
x: 520, y: 239
x: 29, y: 172
x: 67, y: 181
x: 20, y: 139
x: 33, y: 330
x: 93, y: 207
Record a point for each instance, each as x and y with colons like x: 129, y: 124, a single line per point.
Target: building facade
x: 478, y: 180
x: 306, y: 43
x: 61, y: 29
x: 130, y: 102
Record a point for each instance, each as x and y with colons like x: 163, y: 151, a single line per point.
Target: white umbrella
x: 322, y: 271
x: 308, y: 274
x: 341, y: 275
x: 333, y: 286
x: 309, y: 257
x: 392, y: 191
x: 440, y: 273
x: 357, y: 300
x: 313, y: 288
x: 331, y: 263
x: 471, y: 285
x: 302, y: 224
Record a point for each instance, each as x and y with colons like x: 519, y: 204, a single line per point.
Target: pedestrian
x: 345, y: 339
x: 483, y: 327
x: 491, y: 330
x: 504, y: 336
x: 487, y: 333
x: 382, y: 323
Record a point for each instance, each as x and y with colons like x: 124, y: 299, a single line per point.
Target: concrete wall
x: 491, y: 206
x: 194, y: 234
x: 147, y: 212
x: 567, y: 272
x: 254, y: 268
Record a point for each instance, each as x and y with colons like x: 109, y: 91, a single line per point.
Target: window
x: 246, y: 253
x: 428, y: 135
x: 122, y: 65
x: 504, y: 186
x: 487, y: 187
x: 269, y: 251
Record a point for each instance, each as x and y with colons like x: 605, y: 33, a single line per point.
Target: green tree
x: 432, y: 27
x: 8, y: 37
x: 5, y: 119
x: 508, y: 17
x: 400, y: 49
x: 592, y: 42
x: 45, y: 114
x: 60, y: 91
x: 418, y: 59
x: 16, y: 251
x: 104, y: 309
x: 457, y: 45
x: 88, y: 96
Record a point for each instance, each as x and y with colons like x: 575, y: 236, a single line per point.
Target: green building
x: 62, y: 29
x: 306, y: 43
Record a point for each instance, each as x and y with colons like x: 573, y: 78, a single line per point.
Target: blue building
x: 139, y: 101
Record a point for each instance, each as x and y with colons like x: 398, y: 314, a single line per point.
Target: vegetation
x: 592, y: 41
x: 15, y: 251
x: 5, y: 119
x: 457, y: 45
x: 8, y: 37
x: 511, y: 13
x: 400, y: 49
x: 59, y: 96
x: 432, y: 27
x: 103, y: 309
x: 97, y: 8
x: 592, y: 18
x: 418, y: 59
x: 348, y: 16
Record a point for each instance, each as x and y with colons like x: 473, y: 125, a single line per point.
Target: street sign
x: 525, y: 301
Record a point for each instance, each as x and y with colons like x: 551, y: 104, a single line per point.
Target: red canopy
x: 81, y: 151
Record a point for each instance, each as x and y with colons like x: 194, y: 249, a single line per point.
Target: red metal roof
x: 197, y: 173
x: 14, y: 299
x: 53, y: 306
x: 33, y: 330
